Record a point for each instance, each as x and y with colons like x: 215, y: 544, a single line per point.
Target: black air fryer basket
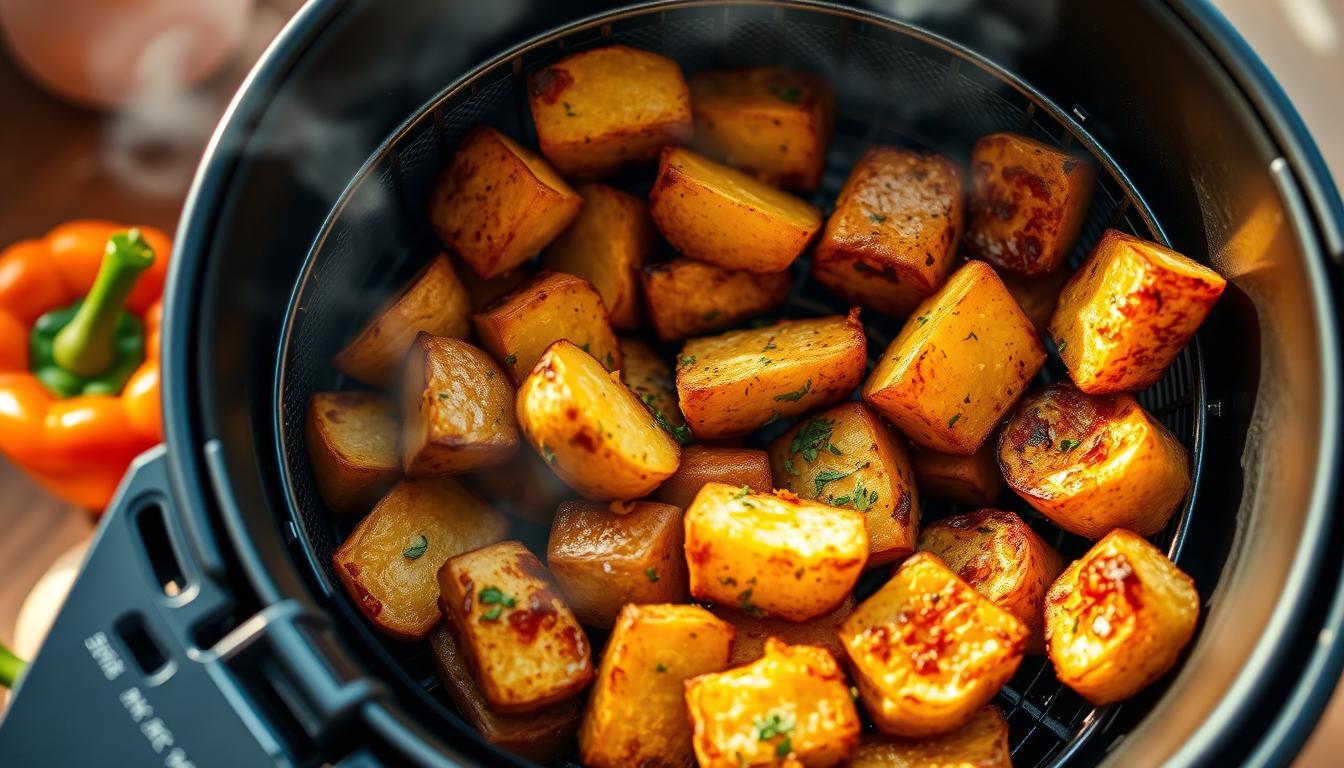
x: 208, y: 626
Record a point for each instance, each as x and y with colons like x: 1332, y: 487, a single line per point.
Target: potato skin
x: 436, y: 302
x: 497, y: 203
x: 1003, y: 559
x: 1118, y: 618
x: 606, y: 245
x: 1091, y: 463
x: 981, y: 743
x: 1128, y: 311
x: 892, y: 239
x: 458, y: 407
x: 352, y: 445
x: 688, y: 298
x: 753, y: 631
x: 636, y: 715
x: 702, y: 464
x: 397, y: 592
x: 973, y: 480
x: 772, y: 554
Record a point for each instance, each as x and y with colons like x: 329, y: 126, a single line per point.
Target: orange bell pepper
x: 76, y: 447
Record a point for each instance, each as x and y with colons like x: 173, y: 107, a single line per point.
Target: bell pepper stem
x: 11, y: 667
x: 87, y: 346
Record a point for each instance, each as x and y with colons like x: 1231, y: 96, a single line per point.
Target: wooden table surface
x: 59, y: 162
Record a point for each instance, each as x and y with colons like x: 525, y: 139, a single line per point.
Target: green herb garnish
x: 828, y: 476
x: 922, y: 319
x: 876, y: 218
x: 492, y: 614
x: 512, y: 359
x: 660, y: 668
x: 748, y: 607
x: 769, y: 345
x: 814, y: 437
x: 1067, y: 445
x: 418, y: 546
x: 549, y: 453
x: 786, y: 93
x: 955, y: 418
x: 790, y: 468
x: 652, y: 574
x: 741, y: 492
x: 688, y: 359
x: 794, y: 397
x: 494, y: 596
x: 777, y: 722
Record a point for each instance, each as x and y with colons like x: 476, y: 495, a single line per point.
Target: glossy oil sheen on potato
x: 973, y: 480
x: 702, y: 464
x: 689, y: 298
x: 457, y: 404
x: 981, y: 743
x: 352, y: 444
x: 606, y: 245
x: 751, y: 632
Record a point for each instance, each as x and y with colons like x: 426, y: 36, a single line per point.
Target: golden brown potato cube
x: 702, y: 464
x: 498, y: 204
x: 772, y: 554
x: 716, y: 214
x: 483, y: 291
x: 520, y: 325
x: 606, y: 245
x: 593, y: 431
x: 1028, y: 201
x: 599, y: 109
x: 973, y: 480
x: 751, y: 632
x: 848, y: 457
x: 1128, y: 311
x: 387, y: 565
x: 791, y: 707
x: 435, y: 302
x: 728, y: 385
x: 1037, y: 295
x: 771, y: 122
x: 1091, y: 463
x: 1117, y: 619
x: 458, y: 407
x: 352, y: 444
x: 524, y: 487
x: 1003, y: 559
x: 688, y: 298
x: 651, y: 380
x: 958, y: 365
x: 543, y: 736
x: 893, y: 237
x: 636, y: 715
x: 523, y: 645
x: 928, y: 651
x: 980, y: 743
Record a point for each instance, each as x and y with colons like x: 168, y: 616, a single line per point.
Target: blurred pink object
x: 106, y: 53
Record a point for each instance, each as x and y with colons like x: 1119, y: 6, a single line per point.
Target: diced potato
x: 1128, y: 311
x: 519, y: 326
x: 688, y: 298
x: 651, y: 380
x: 1117, y: 619
x: 435, y: 302
x: 593, y: 431
x: 713, y: 213
x: 981, y: 743
x: 636, y: 715
x: 606, y: 245
x: 791, y: 707
x: 524, y: 647
x: 1028, y: 201
x: 603, y: 560
x: 893, y: 237
x: 602, y: 108
x: 524, y: 487
x: 498, y: 204
x: 771, y: 122
x: 772, y: 554
x: 352, y: 444
x: 1091, y: 463
x: 387, y: 565
x: 847, y: 457
x: 1037, y: 295
x: 958, y: 365
x: 1003, y: 559
x: 753, y: 631
x: 702, y: 464
x: 928, y: 651
x: 458, y: 409
x: 543, y: 736
x: 728, y: 385
x: 973, y: 480
x: 483, y: 291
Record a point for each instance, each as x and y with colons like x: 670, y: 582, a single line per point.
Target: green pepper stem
x: 87, y: 346
x: 11, y: 667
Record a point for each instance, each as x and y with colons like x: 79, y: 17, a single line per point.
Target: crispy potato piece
x: 524, y: 487
x: 688, y: 298
x: 958, y: 365
x: 928, y: 651
x: 702, y: 464
x: 435, y: 302
x: 651, y: 380
x: 520, y: 325
x: 484, y: 291
x: 772, y: 554
x: 713, y: 213
x: 791, y: 707
x: 593, y: 431
x: 981, y: 743
x: 1028, y: 201
x: 771, y: 122
x: 524, y: 646
x: 606, y: 245
x: 352, y: 444
x: 458, y: 407
x: 1117, y: 619
x: 848, y: 457
x: 1091, y: 463
x: 893, y: 237
x: 387, y: 564
x: 636, y: 715
x: 599, y: 109
x: 728, y: 385
x: 1003, y: 559
x: 973, y: 480
x: 1128, y: 311
x: 543, y: 736
x: 753, y: 631
x: 1037, y: 295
